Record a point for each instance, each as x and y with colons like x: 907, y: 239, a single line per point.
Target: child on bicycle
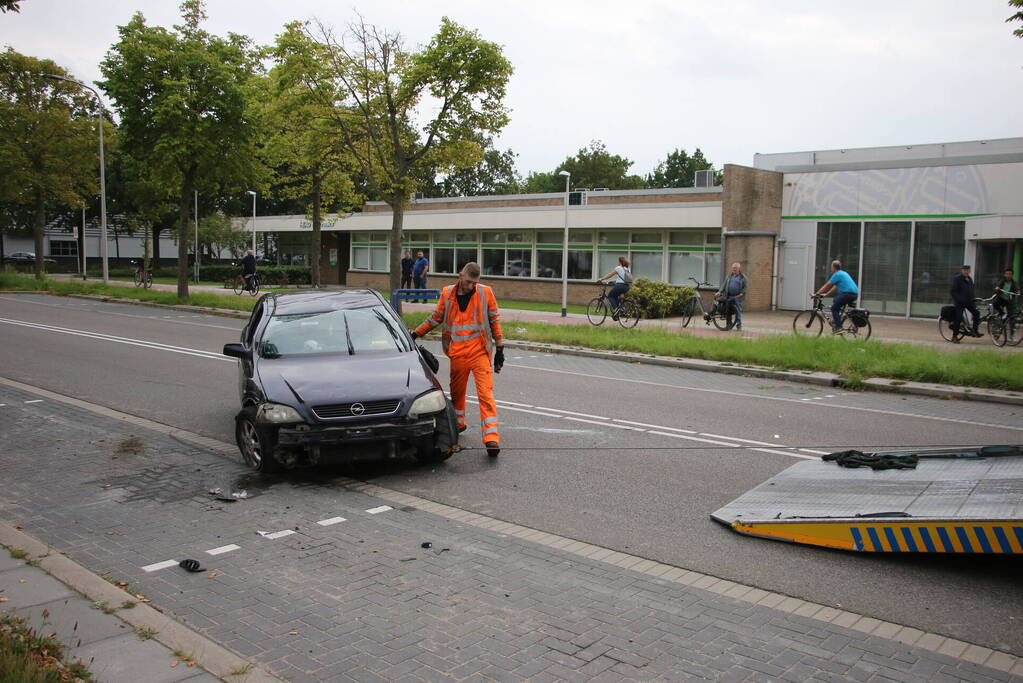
x: 622, y: 282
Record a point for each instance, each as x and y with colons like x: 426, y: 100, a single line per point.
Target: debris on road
x: 191, y: 566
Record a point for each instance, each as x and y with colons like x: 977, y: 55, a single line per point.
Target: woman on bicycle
x: 622, y: 282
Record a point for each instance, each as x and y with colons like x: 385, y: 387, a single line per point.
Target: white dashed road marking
x: 223, y: 549
x: 38, y: 400
x: 377, y: 511
x: 159, y: 565
x: 276, y: 534
x: 331, y: 521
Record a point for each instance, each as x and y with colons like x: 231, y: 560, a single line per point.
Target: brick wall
x: 552, y: 200
x: 752, y: 202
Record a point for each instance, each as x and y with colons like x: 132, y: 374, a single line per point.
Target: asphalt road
x: 627, y: 456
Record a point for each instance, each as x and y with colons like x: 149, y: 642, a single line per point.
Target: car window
x: 348, y: 331
x: 250, y: 328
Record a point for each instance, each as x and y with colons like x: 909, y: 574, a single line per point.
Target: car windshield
x: 349, y: 331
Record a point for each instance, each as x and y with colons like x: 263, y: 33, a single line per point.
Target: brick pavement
x: 362, y: 600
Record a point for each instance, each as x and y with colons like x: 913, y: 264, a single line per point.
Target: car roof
x: 289, y: 303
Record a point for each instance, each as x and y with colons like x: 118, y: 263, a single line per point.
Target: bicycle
x: 1002, y: 328
x: 811, y: 322
x: 140, y: 278
x: 627, y: 314
x: 714, y: 315
x: 240, y: 285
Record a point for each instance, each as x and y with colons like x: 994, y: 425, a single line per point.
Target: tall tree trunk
x: 183, y: 209
x: 314, y: 261
x: 39, y: 225
x: 157, y: 229
x: 397, y: 203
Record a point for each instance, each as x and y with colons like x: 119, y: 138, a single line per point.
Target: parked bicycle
x: 718, y: 314
x: 627, y: 314
x: 811, y: 322
x: 1002, y: 328
x: 142, y: 278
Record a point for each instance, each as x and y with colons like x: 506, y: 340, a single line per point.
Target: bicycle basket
x: 859, y: 316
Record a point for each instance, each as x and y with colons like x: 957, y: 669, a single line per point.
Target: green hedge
x: 268, y: 275
x: 659, y: 299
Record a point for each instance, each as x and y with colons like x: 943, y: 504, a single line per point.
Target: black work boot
x: 492, y: 448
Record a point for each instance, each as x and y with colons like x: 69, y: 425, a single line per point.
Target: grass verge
x: 27, y: 657
x: 854, y: 361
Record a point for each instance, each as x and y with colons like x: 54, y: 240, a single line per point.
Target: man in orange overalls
x: 472, y: 327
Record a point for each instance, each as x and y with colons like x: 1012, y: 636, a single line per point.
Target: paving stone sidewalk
x: 339, y: 587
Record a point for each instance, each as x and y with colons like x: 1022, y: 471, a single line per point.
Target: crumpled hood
x: 337, y: 378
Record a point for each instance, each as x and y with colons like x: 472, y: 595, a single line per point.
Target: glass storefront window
x: 885, y: 267
x: 713, y: 259
x: 836, y: 241
x: 938, y: 251
x: 580, y: 265
x: 519, y: 263
x: 360, y: 258
x: 689, y: 237
x: 493, y: 262
x: 683, y: 265
x: 378, y: 258
x: 463, y: 256
x: 443, y: 260
x: 548, y: 263
x: 613, y: 237
x: 580, y: 237
x: 517, y: 237
x: 465, y: 237
x: 646, y: 238
x: 550, y: 237
x: 647, y: 264
x: 992, y: 260
x: 494, y: 237
x: 607, y: 261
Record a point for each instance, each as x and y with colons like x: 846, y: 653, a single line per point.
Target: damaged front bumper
x: 315, y: 435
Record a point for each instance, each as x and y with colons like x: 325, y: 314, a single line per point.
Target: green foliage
x: 9, y: 5
x: 1018, y: 16
x: 268, y: 275
x: 679, y: 170
x: 27, y: 657
x: 218, y: 232
x: 494, y: 174
x: 594, y: 166
x: 659, y: 299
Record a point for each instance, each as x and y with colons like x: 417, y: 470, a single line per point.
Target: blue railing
x: 413, y: 295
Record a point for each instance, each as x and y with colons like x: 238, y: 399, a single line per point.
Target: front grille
x: 336, y: 411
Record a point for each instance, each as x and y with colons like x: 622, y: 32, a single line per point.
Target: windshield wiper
x: 348, y: 335
x: 394, y: 335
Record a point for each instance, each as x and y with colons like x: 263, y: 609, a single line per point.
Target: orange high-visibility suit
x: 468, y: 338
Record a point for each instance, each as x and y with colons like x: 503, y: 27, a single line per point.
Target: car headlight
x: 430, y: 402
x: 278, y: 413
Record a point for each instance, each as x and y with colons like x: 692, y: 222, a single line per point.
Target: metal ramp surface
x: 947, y: 504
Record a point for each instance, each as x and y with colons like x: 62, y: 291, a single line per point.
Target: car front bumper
x: 315, y: 435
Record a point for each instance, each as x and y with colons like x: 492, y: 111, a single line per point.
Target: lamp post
x: 564, y: 251
x: 102, y: 174
x: 252, y: 192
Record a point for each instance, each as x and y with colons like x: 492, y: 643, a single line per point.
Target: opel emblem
x: 358, y: 409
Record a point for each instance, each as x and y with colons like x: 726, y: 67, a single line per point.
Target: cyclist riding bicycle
x: 622, y: 282
x: 847, y: 290
x: 963, y: 296
x: 249, y: 268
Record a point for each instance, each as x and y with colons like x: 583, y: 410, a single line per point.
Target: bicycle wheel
x: 239, y: 284
x: 687, y: 312
x: 596, y: 311
x: 1014, y: 329
x: 808, y: 324
x: 628, y: 314
x: 149, y: 280
x: 720, y: 321
x: 853, y: 332
x: 255, y: 285
x: 137, y: 278
x: 996, y: 329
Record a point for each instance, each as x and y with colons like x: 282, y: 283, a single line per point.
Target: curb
x: 212, y: 657
x: 825, y: 379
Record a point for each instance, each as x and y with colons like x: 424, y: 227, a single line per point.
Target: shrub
x: 268, y: 275
x: 659, y: 299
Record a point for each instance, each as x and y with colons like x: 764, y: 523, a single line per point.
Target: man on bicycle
x: 1007, y: 290
x: 622, y: 278
x: 963, y: 296
x: 847, y: 292
x: 249, y: 268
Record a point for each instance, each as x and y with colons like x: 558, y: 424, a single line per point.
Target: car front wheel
x: 257, y: 444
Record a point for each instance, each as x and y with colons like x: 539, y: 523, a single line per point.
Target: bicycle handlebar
x: 700, y: 284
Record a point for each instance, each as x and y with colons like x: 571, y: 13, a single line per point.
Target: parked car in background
x: 24, y: 257
x: 335, y: 376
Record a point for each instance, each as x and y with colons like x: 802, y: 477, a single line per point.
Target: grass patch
x: 145, y: 633
x: 27, y: 657
x: 855, y: 361
x: 18, y: 553
x: 241, y: 670
x: 103, y: 607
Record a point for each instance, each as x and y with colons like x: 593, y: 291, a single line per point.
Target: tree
x: 218, y: 232
x: 679, y: 170
x: 185, y: 105
x: 302, y: 144
x: 9, y: 6
x: 1018, y: 16
x: 494, y: 174
x: 401, y: 113
x: 48, y: 152
x: 594, y: 166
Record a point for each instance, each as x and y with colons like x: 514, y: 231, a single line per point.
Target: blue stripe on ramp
x: 964, y: 539
x: 872, y: 532
x: 982, y: 538
x: 907, y: 534
x: 928, y: 543
x: 892, y: 541
x: 945, y: 540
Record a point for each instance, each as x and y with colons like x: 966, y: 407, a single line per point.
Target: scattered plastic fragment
x: 407, y: 559
x: 191, y: 566
x: 426, y: 544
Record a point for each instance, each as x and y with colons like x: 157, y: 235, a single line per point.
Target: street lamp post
x: 564, y: 252
x: 252, y: 192
x: 102, y: 174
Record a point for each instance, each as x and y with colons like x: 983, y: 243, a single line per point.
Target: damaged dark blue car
x: 335, y: 377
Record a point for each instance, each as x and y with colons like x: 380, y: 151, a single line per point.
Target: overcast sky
x: 732, y: 77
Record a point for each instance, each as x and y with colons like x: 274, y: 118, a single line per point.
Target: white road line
x: 735, y: 438
x: 810, y: 450
x: 331, y: 521
x: 747, y: 396
x: 183, y: 322
x: 211, y: 355
x: 569, y: 412
x: 2, y: 405
x: 644, y: 424
x: 378, y: 510
x: 38, y: 400
x: 791, y: 455
x: 695, y: 438
x: 604, y: 424
x: 512, y: 403
x: 223, y: 549
x: 276, y: 534
x: 159, y: 565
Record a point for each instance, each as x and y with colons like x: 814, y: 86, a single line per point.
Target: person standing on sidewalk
x: 419, y: 270
x: 406, y: 270
x: 734, y: 290
x: 622, y: 282
x: 472, y: 328
x: 962, y: 296
x: 847, y: 292
x: 1005, y: 288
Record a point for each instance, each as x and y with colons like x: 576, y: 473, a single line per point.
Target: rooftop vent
x: 705, y: 178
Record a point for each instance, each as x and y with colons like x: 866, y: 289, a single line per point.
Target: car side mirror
x: 238, y: 351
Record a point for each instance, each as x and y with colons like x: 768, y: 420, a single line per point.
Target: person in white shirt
x: 622, y: 278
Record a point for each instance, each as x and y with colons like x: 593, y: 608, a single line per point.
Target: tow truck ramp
x: 953, y: 501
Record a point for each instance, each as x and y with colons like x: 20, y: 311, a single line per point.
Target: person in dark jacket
x: 963, y: 296
x: 1007, y: 291
x: 406, y: 270
x: 249, y: 268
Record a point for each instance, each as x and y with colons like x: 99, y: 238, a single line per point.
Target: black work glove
x: 498, y: 359
x: 414, y: 335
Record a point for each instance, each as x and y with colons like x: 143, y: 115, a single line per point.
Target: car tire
x: 256, y: 444
x: 427, y: 452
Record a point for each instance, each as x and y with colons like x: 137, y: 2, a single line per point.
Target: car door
x: 246, y: 365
